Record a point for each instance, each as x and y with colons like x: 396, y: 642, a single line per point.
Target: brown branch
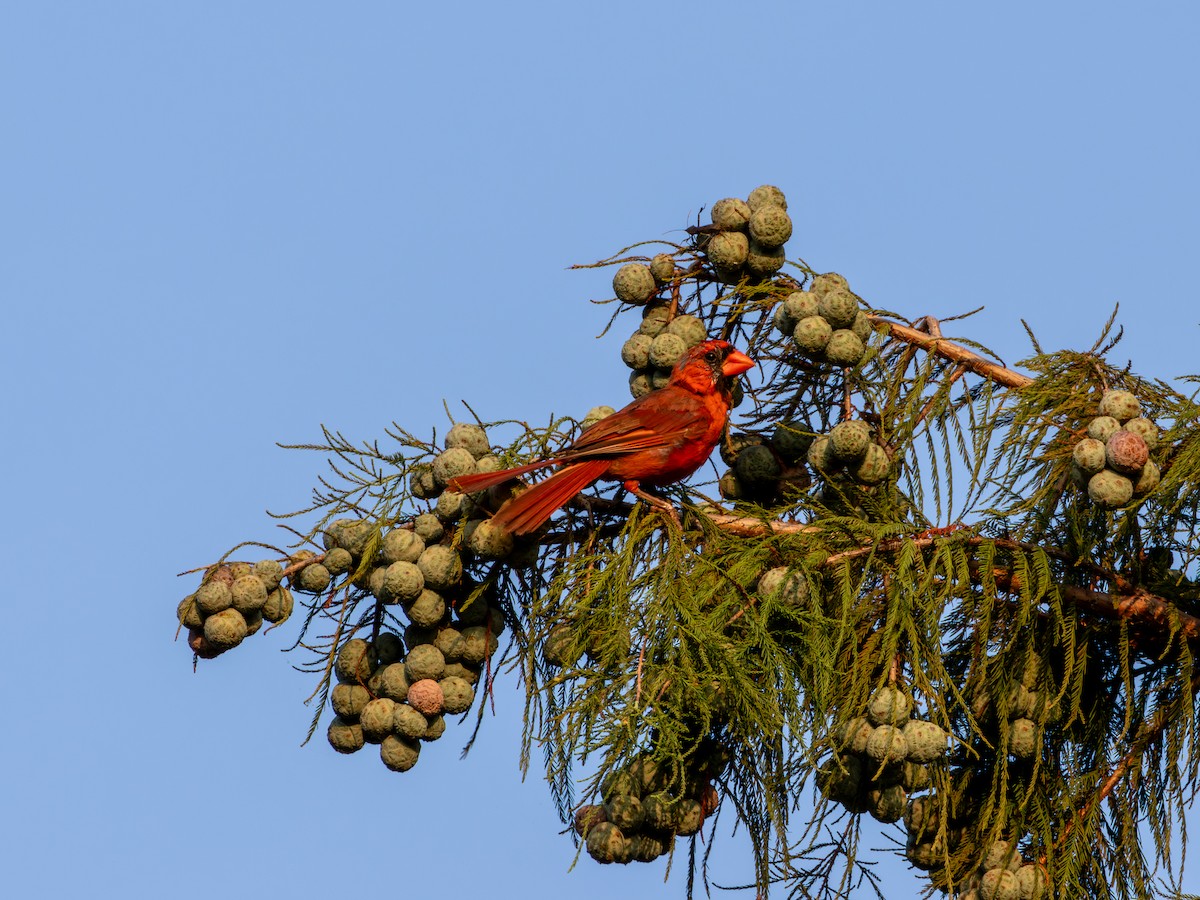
x: 1140, y: 606
x: 1161, y: 718
x: 955, y: 353
x: 746, y: 526
x: 301, y: 564
x: 673, y: 309
x: 1131, y: 603
x: 1134, y: 604
x: 1146, y: 735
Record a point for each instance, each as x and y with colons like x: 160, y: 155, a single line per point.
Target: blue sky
x: 224, y: 224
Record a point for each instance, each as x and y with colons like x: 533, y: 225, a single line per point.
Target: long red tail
x: 526, y: 512
x: 469, y: 484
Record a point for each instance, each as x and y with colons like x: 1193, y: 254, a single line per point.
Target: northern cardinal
x: 657, y: 439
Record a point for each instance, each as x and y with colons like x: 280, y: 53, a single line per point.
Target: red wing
x: 637, y: 427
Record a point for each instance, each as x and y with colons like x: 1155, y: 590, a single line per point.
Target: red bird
x: 656, y: 440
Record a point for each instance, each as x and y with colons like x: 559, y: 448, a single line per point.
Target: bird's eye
x: 712, y: 356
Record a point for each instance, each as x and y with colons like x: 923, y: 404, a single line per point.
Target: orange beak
x: 736, y: 363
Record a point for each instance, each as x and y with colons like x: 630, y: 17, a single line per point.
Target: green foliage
x: 1052, y: 638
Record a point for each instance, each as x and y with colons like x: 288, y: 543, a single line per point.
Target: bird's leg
x: 664, y: 507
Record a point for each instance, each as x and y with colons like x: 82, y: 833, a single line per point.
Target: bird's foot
x: 663, y: 506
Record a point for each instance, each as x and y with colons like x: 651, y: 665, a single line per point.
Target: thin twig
x: 958, y: 373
